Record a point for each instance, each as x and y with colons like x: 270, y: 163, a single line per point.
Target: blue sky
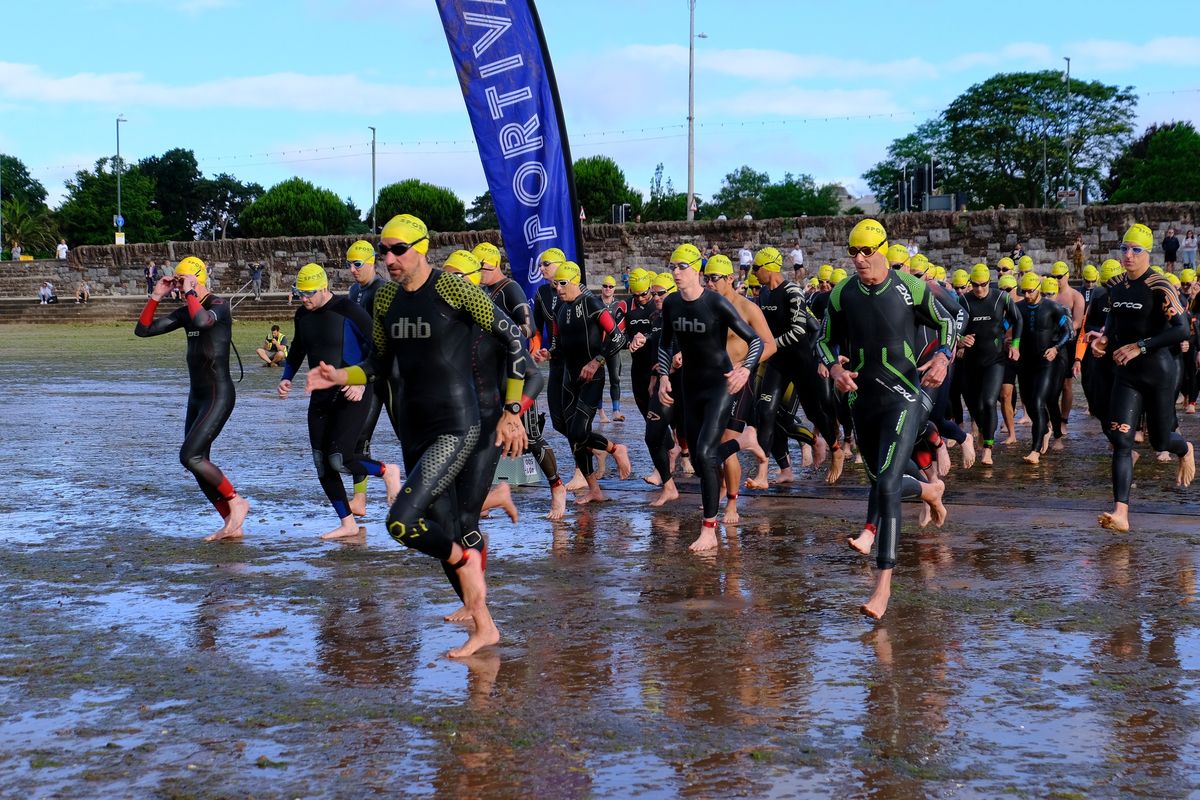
x: 266, y: 90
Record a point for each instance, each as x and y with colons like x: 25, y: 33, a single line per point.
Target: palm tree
x: 31, y: 225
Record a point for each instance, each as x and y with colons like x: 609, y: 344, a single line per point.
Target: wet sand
x: 1026, y: 652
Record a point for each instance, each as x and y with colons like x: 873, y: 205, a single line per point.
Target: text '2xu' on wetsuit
x: 875, y: 326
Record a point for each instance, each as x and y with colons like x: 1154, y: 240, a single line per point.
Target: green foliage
x: 665, y: 204
x: 741, y: 193
x: 178, y: 191
x: 15, y: 182
x: 31, y: 225
x: 438, y: 207
x: 222, y: 201
x: 599, y: 185
x: 85, y: 216
x: 295, y: 208
x: 854, y: 211
x: 1163, y: 165
x: 886, y: 177
x: 481, y: 216
x: 796, y: 196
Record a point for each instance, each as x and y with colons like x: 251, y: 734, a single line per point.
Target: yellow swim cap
x: 311, y: 277
x: 752, y: 280
x: 1007, y: 281
x: 1174, y: 280
x: 1090, y: 273
x: 687, y: 254
x: 898, y: 254
x: 1030, y: 280
x: 651, y: 275
x: 768, y: 258
x: 838, y: 276
x: 1187, y: 276
x: 719, y: 265
x: 1140, y: 235
x: 960, y: 278
x: 919, y: 264
x: 193, y: 266
x: 1059, y: 269
x: 665, y: 281
x: 979, y: 274
x: 552, y: 256
x: 609, y: 280
x: 868, y: 233
x: 1110, y: 269
x: 813, y: 283
x: 567, y: 271
x: 639, y: 283
x: 1159, y: 270
x: 409, y: 230
x: 939, y: 273
x: 464, y: 263
x: 361, y: 251
x: 1025, y: 264
x: 825, y: 273
x: 486, y: 253
x: 1049, y: 286
x: 1006, y: 262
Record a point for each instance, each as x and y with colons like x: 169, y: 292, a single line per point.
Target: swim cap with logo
x: 361, y: 251
x: 919, y: 264
x: 960, y: 278
x: 1090, y: 273
x: 639, y: 283
x: 553, y: 256
x: 752, y: 280
x: 868, y: 233
x: 1030, y: 280
x: 609, y: 280
x: 665, y: 281
x: 813, y: 283
x: 1059, y: 269
x: 567, y: 271
x: 719, y: 265
x: 1025, y: 264
x: 1006, y: 262
x: 464, y: 263
x: 939, y: 273
x: 311, y: 277
x: 409, y: 230
x: 1007, y: 281
x: 1049, y: 286
x: 687, y: 254
x: 193, y: 266
x: 1157, y: 269
x: 486, y: 253
x: 825, y: 273
x: 1140, y: 235
x: 898, y: 254
x: 1110, y: 269
x: 980, y: 274
x: 768, y: 258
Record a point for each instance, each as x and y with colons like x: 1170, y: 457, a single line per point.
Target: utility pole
x: 1067, y: 78
x: 120, y: 219
x: 373, y: 228
x: 692, y: 37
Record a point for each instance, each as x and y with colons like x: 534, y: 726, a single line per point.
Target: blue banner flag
x: 504, y: 68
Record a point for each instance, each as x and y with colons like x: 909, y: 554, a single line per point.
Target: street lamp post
x: 120, y: 219
x: 1067, y: 78
x: 692, y: 37
x: 373, y: 228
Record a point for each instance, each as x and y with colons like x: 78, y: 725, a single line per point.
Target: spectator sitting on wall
x: 1017, y: 251
x: 60, y: 252
x: 46, y: 293
x: 83, y: 292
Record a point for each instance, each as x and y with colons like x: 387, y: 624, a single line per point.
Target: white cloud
x: 284, y: 90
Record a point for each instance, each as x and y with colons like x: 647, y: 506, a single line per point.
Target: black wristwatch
x: 190, y: 293
x: 1142, y: 346
x: 513, y: 408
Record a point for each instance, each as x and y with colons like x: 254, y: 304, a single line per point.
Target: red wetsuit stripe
x: 148, y: 312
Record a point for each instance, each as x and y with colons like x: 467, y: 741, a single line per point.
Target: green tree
x: 438, y: 207
x: 665, y: 204
x: 481, y: 216
x: 222, y: 201
x: 741, y: 193
x: 178, y: 191
x: 86, y: 215
x: 15, y: 182
x: 30, y: 224
x: 599, y: 185
x: 296, y: 207
x: 796, y: 196
x: 1163, y: 165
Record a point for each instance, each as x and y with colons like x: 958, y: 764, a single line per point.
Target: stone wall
x: 953, y: 239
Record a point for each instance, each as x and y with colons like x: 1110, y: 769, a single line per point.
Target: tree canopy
x: 86, y: 215
x: 599, y: 185
x: 438, y: 207
x: 15, y: 182
x: 178, y: 191
x: 296, y: 207
x: 222, y: 201
x: 665, y: 204
x: 1162, y: 165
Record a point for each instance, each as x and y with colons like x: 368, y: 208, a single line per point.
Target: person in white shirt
x: 61, y: 250
x: 798, y: 261
x: 745, y: 259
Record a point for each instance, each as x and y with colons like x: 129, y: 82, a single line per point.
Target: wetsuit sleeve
x: 1177, y: 325
x: 614, y: 336
x: 665, y: 340
x: 461, y: 295
x: 535, y: 382
x: 147, y: 325
x: 518, y: 307
x: 298, y: 350
x: 1015, y: 324
x: 932, y: 313
x: 797, y: 316
x: 744, y: 331
x: 356, y: 341
x: 380, y: 360
x: 201, y: 317
x: 1065, y: 331
x: 831, y: 324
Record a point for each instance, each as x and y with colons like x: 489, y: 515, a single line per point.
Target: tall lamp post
x: 120, y: 219
x: 373, y: 228
x: 692, y: 37
x: 1067, y: 79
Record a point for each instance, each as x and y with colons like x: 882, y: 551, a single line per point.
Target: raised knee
x: 319, y: 462
x: 337, y: 463
x: 405, y: 532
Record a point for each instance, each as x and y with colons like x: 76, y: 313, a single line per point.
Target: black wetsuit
x: 545, y: 314
x: 339, y: 334
x: 1043, y: 326
x: 877, y: 328
x: 209, y: 327
x: 646, y: 320
x: 584, y: 330
x: 381, y: 396
x: 428, y: 333
x: 618, y: 310
x: 950, y: 306
x: 1096, y: 374
x: 1190, y: 382
x: 699, y: 329
x: 990, y: 319
x: 1146, y: 311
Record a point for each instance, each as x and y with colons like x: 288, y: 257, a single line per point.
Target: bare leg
x: 500, y: 496
x: 391, y: 479
x: 558, y: 501
x: 348, y: 527
x: 707, y: 540
x: 474, y: 588
x: 1186, y: 473
x: 820, y: 451
x: 864, y: 541
x: 836, y: 463
x: 686, y: 465
x: 358, y: 504
x: 593, y: 493
x: 578, y: 482
x: 876, y: 607
x: 1117, y: 519
x: 931, y: 496
x: 943, y: 462
x: 968, y: 455
x: 620, y: 454
x: 986, y: 457
x: 668, y: 493
x: 806, y: 455
x: 731, y: 511
x: 232, y: 529
x: 1006, y: 411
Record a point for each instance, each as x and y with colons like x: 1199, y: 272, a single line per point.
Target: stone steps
x: 272, y: 308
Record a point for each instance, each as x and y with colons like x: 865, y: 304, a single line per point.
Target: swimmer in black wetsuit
x: 659, y: 435
x: 545, y: 310
x: 585, y: 337
x: 618, y: 309
x: 874, y: 316
x: 1045, y: 329
x: 425, y: 321
x: 1145, y: 319
x: 508, y: 295
x: 360, y: 258
x: 334, y: 330
x: 991, y: 317
x: 209, y: 326
x: 696, y: 323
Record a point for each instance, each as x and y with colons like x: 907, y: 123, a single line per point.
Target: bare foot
x: 1187, y: 468
x: 806, y: 455
x: 1033, y: 457
x: 620, y: 455
x: 653, y: 479
x: 836, y: 463
x: 1058, y: 445
x: 785, y: 475
x: 943, y: 462
x: 601, y: 464
x: 755, y: 483
x: 877, y: 605
x: 667, y: 494
x: 592, y: 495
x: 577, y: 483
x: 820, y: 451
x: 685, y: 464
x: 986, y: 457
x: 1010, y: 440
x: 707, y: 540
x: 731, y: 513
x: 618, y: 416
x: 558, y: 502
x: 461, y: 615
x: 475, y: 599
x: 602, y: 417
x: 348, y: 528
x: 1114, y: 521
x: 863, y: 542
x: 500, y: 496
x: 1025, y: 420
x: 1139, y: 436
x: 358, y: 504
x: 931, y: 495
x: 391, y: 479
x: 924, y: 516
x: 232, y: 529
x: 1164, y: 456
x: 968, y: 454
